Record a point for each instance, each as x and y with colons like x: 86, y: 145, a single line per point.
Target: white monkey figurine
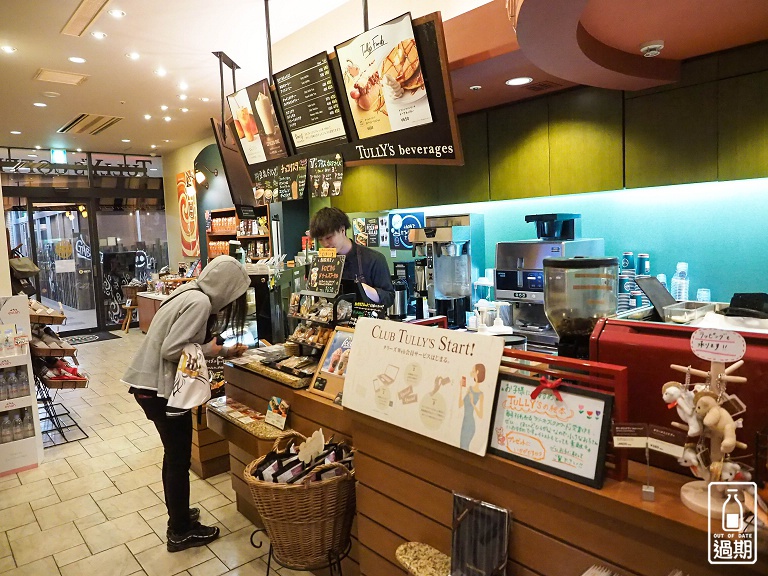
x: 675, y: 393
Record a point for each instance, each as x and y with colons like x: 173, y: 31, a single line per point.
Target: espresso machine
x: 520, y: 273
x: 450, y: 253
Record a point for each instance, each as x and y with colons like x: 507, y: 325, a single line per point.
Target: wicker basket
x: 308, y: 521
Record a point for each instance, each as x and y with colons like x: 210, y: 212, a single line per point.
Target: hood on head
x: 223, y: 280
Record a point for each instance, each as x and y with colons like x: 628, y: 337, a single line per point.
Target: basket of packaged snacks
x: 305, y: 495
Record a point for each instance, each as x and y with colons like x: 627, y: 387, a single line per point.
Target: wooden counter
x: 148, y: 303
x: 560, y: 528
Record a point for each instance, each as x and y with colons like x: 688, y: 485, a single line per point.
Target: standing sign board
x: 325, y: 276
x: 434, y: 382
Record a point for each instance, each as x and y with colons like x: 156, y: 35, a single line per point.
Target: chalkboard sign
x: 566, y: 437
x: 325, y: 276
x: 325, y: 175
x: 265, y: 188
x: 308, y: 99
x: 292, y: 180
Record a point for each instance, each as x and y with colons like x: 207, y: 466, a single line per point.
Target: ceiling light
x: 204, y: 99
x: 77, y: 59
x: 166, y: 141
x: 125, y: 140
x: 152, y: 169
x: 79, y: 150
x: 116, y: 13
x: 32, y: 155
x: 99, y: 35
x: 8, y: 49
x: 475, y: 87
x: 183, y: 85
x: 182, y: 96
x: 161, y: 72
x: 184, y: 109
x: 153, y: 146
x: 147, y: 116
x: 522, y: 80
x: 163, y: 107
x: 15, y: 132
x: 652, y: 49
x: 167, y: 118
x: 37, y: 147
x: 51, y: 94
x: 39, y: 104
x: 133, y: 55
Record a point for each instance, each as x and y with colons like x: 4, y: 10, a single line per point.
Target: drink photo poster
x: 434, y: 382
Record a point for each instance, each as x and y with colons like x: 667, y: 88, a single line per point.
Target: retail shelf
x: 224, y: 211
x: 253, y: 236
x: 215, y: 234
x: 12, y: 361
x: 53, y: 352
x: 303, y: 343
x: 15, y: 403
x: 69, y: 384
x: 312, y: 320
x: 47, y: 318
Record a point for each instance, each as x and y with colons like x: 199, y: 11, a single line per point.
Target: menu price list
x: 309, y: 102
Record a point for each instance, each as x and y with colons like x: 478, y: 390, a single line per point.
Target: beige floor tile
x: 108, y: 446
x: 43, y: 502
x: 25, y: 493
x: 200, y: 490
x: 119, y: 531
x: 156, y: 487
x: 213, y: 567
x: 231, y: 518
x: 5, y: 547
x: 112, y: 472
x: 144, y: 543
x: 81, y: 486
x: 66, y: 512
x: 105, y: 493
x: 159, y: 525
x: 153, y: 512
x: 9, y: 482
x: 132, y: 501
x: 227, y: 490
x: 216, y: 502
x: 23, y: 531
x: 88, y: 521
x: 157, y: 562
x: 79, y: 457
x: 16, y: 516
x: 98, y: 464
x: 205, y: 517
x: 254, y: 568
x: 6, y: 564
x: 235, y: 549
x: 63, y: 478
x: 147, y: 443
x: 44, y: 567
x: 137, y: 478
x: 71, y: 555
x: 63, y: 451
x: 223, y: 477
x: 135, y: 435
x: 117, y: 561
x: 129, y: 451
x: 144, y: 459
x: 119, y: 430
x: 289, y: 572
x: 102, y: 400
x: 45, y: 470
x: 45, y: 543
x: 139, y: 573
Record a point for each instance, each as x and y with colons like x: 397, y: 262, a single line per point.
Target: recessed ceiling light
x: 79, y: 150
x: 184, y: 109
x: 32, y: 155
x: 147, y: 116
x: 163, y: 107
x: 166, y: 141
x: 133, y: 55
x: 161, y: 72
x: 182, y: 96
x: 125, y: 140
x: 99, y: 35
x: 152, y: 170
x: 116, y: 13
x: 37, y: 147
x: 77, y: 59
x: 40, y: 104
x: 519, y: 81
x: 183, y: 85
x: 204, y: 99
x: 51, y: 94
x: 167, y: 118
x: 153, y: 146
x: 8, y: 49
x: 475, y: 87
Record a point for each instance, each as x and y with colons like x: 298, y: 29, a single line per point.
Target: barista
x: 363, y: 267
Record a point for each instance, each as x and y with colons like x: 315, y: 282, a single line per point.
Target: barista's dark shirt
x: 375, y: 272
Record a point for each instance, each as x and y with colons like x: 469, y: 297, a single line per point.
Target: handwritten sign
x: 567, y: 437
x: 325, y: 175
x: 718, y: 345
x: 292, y: 180
x: 265, y: 189
x: 436, y: 383
x: 325, y: 276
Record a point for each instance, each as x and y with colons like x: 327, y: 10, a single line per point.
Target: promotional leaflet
x: 383, y: 79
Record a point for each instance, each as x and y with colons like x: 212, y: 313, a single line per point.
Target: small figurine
x: 718, y: 420
x: 676, y: 394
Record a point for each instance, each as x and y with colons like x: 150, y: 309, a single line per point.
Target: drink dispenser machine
x: 450, y: 257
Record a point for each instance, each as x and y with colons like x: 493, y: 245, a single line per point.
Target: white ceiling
x: 177, y: 35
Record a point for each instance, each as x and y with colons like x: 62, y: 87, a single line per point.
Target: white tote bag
x: 191, y: 386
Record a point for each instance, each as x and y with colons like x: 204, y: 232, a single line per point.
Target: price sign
x: 718, y: 345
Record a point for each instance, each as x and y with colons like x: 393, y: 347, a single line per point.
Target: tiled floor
x: 95, y: 507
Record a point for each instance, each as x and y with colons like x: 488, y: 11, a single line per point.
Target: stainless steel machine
x: 520, y: 273
x: 450, y: 254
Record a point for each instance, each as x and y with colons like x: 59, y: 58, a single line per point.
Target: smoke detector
x: 652, y: 49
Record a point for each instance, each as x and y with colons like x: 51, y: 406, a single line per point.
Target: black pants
x: 176, y: 435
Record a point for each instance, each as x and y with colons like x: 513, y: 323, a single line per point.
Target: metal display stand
x: 333, y: 565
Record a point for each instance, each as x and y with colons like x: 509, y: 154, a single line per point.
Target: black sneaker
x: 194, y: 515
x: 198, y: 535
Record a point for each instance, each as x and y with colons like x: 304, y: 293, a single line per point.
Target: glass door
x: 61, y: 240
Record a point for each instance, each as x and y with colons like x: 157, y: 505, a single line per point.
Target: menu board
x: 325, y: 175
x: 256, y: 125
x: 325, y: 275
x: 308, y: 99
x: 564, y: 431
x: 292, y: 180
x: 265, y: 188
x: 383, y: 79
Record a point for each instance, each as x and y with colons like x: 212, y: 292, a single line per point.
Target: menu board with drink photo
x: 383, y: 79
x: 325, y: 175
x: 258, y: 131
x: 292, y: 180
x: 265, y: 188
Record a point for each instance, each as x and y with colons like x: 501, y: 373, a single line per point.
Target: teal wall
x: 719, y: 228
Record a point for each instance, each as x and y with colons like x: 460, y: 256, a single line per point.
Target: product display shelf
x: 304, y: 343
x: 23, y: 453
x: 233, y: 233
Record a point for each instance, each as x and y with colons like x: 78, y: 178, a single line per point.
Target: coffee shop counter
x: 559, y: 527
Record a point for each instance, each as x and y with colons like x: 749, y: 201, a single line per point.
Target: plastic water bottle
x: 23, y: 381
x: 6, y: 431
x: 680, y: 282
x: 12, y: 383
x: 3, y: 386
x: 18, y: 427
x: 28, y: 424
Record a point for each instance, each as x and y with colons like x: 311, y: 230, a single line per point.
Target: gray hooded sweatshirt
x: 182, y: 319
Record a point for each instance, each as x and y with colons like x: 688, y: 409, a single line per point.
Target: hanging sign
x: 292, y: 180
x: 399, y: 225
x: 265, y: 188
x: 325, y: 175
x: 717, y: 345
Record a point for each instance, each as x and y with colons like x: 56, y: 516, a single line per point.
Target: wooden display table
x: 210, y: 452
x: 148, y: 303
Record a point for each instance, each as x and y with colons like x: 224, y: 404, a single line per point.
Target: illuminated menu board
x: 308, y: 99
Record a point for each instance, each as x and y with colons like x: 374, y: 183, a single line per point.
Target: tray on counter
x: 274, y: 374
x: 55, y: 318
x: 243, y: 417
x: 72, y: 384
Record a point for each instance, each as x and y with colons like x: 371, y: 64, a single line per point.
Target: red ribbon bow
x: 547, y: 385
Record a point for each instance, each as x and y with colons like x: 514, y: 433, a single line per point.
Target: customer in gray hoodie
x: 195, y: 313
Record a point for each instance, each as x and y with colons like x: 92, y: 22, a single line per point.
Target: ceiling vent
x: 541, y: 86
x: 47, y: 75
x: 83, y: 16
x: 92, y: 124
